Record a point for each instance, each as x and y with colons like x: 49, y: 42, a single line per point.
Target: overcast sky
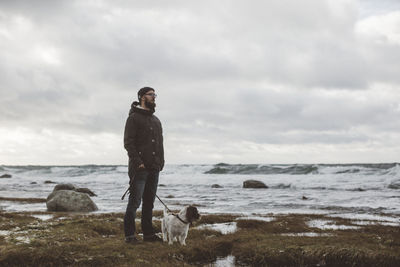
x: 280, y: 81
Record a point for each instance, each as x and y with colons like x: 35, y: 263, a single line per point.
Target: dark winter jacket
x: 143, y: 139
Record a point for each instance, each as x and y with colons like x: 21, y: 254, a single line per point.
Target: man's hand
x: 141, y: 166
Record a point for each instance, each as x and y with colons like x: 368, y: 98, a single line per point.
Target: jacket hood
x: 135, y: 108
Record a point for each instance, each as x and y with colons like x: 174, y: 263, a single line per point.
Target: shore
x: 57, y: 239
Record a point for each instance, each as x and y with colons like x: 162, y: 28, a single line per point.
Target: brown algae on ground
x: 24, y: 200
x: 291, y: 240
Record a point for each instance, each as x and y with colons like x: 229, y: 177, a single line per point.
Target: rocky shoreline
x: 61, y: 238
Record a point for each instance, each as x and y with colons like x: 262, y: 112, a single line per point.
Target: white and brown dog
x: 176, y: 227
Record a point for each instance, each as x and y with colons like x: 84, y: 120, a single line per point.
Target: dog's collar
x: 179, y: 218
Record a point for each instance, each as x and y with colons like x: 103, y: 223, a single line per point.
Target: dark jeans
x: 143, y: 186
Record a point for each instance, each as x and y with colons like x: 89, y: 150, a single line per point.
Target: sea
x: 358, y: 191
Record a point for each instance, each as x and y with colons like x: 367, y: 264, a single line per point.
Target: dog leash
x: 177, y: 215
x: 162, y: 202
x: 123, y: 196
x: 127, y: 190
x: 179, y: 218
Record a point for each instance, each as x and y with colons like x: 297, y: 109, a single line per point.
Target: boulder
x: 68, y: 200
x: 86, y: 190
x: 74, y: 188
x: 254, y: 184
x: 216, y: 186
x: 6, y: 176
x: 61, y: 187
x: 70, y: 187
x: 49, y: 182
x: 64, y: 187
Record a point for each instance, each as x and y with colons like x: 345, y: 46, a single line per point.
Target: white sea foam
x: 370, y: 217
x: 23, y: 239
x: 329, y: 225
x: 360, y: 222
x: 223, y: 228
x: 43, y: 217
x: 5, y: 232
x: 257, y: 218
x: 228, y: 261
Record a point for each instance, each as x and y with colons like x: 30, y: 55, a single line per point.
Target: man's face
x: 150, y: 99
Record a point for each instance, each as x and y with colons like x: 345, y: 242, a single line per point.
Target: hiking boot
x: 152, y: 238
x: 131, y: 240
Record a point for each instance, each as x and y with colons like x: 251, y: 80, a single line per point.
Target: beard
x: 150, y: 105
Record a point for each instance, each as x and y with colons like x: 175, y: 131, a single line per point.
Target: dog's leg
x: 164, y: 230
x: 170, y: 238
x: 181, y: 239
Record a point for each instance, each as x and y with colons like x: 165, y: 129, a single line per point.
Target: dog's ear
x: 192, y: 214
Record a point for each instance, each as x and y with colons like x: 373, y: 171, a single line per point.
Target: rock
x: 33, y: 183
x: 254, y: 184
x: 304, y: 198
x: 216, y: 186
x: 394, y: 185
x: 49, y: 182
x: 170, y: 196
x: 6, y: 176
x: 71, y: 187
x: 68, y: 200
x: 86, y: 190
x: 64, y: 187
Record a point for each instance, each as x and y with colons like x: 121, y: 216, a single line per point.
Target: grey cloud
x: 286, y: 43
x: 259, y: 39
x: 217, y: 66
x: 267, y: 116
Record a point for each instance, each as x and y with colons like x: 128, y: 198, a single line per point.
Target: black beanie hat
x: 143, y: 91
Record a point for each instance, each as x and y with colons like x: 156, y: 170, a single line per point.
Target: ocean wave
x: 61, y: 171
x: 349, y: 171
x: 389, y: 169
x: 296, y: 169
x: 328, y: 189
x: 223, y: 168
x: 27, y: 169
x: 361, y: 189
x: 370, y: 210
x: 73, y: 171
x: 281, y: 186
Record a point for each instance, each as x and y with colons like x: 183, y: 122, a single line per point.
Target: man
x: 144, y: 142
